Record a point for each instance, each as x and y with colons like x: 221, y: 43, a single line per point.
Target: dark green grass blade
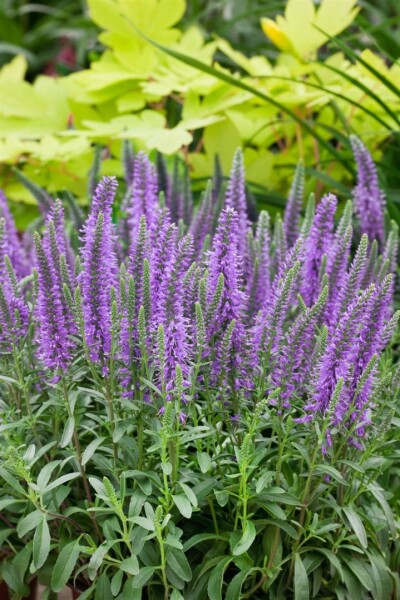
x: 364, y: 88
x: 351, y: 54
x: 331, y: 92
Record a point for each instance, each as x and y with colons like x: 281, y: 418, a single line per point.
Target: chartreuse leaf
x: 296, y: 32
x: 364, y: 88
x: 349, y: 52
x: 334, y: 93
x: 301, y: 587
x: 223, y: 76
x: 41, y: 544
x: 65, y: 565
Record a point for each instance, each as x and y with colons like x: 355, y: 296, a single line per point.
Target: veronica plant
x: 196, y: 406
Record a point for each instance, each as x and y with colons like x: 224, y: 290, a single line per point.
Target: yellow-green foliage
x: 48, y: 126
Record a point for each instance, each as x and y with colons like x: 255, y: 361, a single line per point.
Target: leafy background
x: 79, y: 74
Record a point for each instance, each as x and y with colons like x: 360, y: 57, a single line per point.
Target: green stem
x: 79, y: 458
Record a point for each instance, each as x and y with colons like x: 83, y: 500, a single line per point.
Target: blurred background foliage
x: 74, y: 74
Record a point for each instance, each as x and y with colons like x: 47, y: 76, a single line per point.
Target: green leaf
x: 204, y: 461
x: 178, y: 562
x: 45, y: 474
x: 103, y: 588
x: 183, y: 505
x: 248, y: 537
x: 301, y: 587
x: 60, y: 481
x: 12, y: 482
x: 235, y: 587
x: 64, y: 566
x: 378, y: 494
x: 189, y: 494
x: 360, y: 570
x: 332, y: 472
x: 264, y: 480
x: 116, y: 582
x: 333, y: 559
x: 357, y: 525
x: 202, y: 537
x: 221, y: 497
x: 143, y: 522
x: 29, y: 522
x: 68, y: 432
x: 380, y: 576
x: 140, y: 580
x: 97, y: 558
x: 130, y: 565
x: 91, y: 449
x: 41, y: 544
x: 214, y: 587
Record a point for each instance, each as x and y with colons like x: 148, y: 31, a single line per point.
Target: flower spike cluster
x: 182, y: 298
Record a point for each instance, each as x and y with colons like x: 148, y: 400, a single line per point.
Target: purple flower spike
x: 369, y: 199
x: 144, y: 194
x: 317, y: 244
x: 293, y: 207
x: 12, y: 244
x: 170, y: 312
x: 202, y: 222
x: 340, y: 354
x: 55, y: 344
x: 236, y: 198
x: 258, y: 280
x: 99, y: 268
x: 224, y: 261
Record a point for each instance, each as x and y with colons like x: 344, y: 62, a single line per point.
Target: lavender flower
x: 317, y: 244
x: 144, y: 194
x: 11, y: 243
x: 99, y: 268
x: 293, y: 207
x: 201, y: 224
x: 258, y: 278
x: 338, y: 358
x: 224, y: 261
x: 14, y: 318
x: 236, y: 198
x: 369, y: 200
x: 55, y: 344
x: 293, y: 364
x: 170, y: 313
